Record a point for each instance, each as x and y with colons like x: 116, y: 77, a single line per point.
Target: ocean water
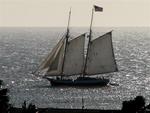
x: 22, y: 50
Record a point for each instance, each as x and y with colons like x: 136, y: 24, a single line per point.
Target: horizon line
x: 71, y: 26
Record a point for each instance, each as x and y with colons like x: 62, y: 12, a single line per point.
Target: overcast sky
x: 48, y: 13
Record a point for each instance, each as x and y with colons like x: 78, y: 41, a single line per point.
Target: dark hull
x: 82, y: 81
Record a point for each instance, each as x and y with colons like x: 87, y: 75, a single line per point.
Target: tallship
x: 68, y: 58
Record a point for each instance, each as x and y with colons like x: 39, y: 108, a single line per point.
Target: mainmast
x: 89, y: 42
x: 95, y: 8
x: 66, y: 42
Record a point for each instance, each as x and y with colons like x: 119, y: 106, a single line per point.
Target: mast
x: 82, y: 103
x: 89, y: 42
x: 66, y: 42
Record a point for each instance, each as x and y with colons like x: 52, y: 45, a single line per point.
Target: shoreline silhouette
x: 137, y: 105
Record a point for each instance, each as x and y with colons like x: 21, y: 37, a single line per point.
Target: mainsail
x: 101, y: 58
x: 74, y: 57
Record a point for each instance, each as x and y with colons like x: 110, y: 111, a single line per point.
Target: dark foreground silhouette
x: 136, y: 105
x: 4, y: 100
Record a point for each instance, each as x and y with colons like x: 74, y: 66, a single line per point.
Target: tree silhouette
x: 4, y: 99
x: 30, y: 109
x: 134, y: 106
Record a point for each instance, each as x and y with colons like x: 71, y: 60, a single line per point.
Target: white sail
x: 74, y: 57
x: 52, y: 65
x: 101, y: 58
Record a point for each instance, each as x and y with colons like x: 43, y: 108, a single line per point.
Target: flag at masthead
x: 97, y: 8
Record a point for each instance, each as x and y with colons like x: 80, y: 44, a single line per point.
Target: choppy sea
x: 22, y: 50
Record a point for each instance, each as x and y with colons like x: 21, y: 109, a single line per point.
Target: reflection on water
x: 22, y: 49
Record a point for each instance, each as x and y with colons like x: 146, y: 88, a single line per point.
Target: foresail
x: 52, y: 65
x: 74, y: 57
x: 101, y: 58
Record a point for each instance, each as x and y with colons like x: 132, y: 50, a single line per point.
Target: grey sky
x: 55, y: 12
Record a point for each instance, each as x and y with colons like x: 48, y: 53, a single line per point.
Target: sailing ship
x: 68, y: 58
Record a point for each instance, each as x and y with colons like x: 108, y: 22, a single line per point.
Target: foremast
x: 66, y: 43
